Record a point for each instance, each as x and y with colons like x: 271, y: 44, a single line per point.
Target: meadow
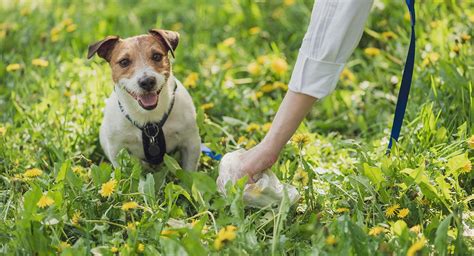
x: 59, y: 195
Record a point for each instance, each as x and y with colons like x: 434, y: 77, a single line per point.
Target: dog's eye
x: 124, y: 63
x: 156, y: 57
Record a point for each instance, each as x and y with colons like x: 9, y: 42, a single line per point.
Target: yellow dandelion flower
x: 416, y: 229
x: 33, y: 172
x: 471, y: 18
x: 132, y: 226
x: 71, y: 28
x: 54, y: 38
x: 177, y: 26
x: 267, y: 88
x: 266, y: 127
x: 63, y: 245
x: 3, y: 130
x: 467, y: 167
x: 416, y: 246
x: 301, y: 139
x: 301, y: 177
x: 331, y: 240
x: 191, y: 80
x: 108, y: 188
x: 224, y: 236
x: 346, y: 74
x: 372, y: 51
x: 470, y: 142
x: 389, y: 35
x: 241, y: 140
x: 76, y: 217
x: 66, y: 22
x: 279, y: 66
x: 254, y: 68
x: 250, y: 144
x: 254, y: 30
x: 456, y: 48
x: 465, y: 37
x: 168, y: 232
x: 114, y: 249
x: 341, y: 210
x: 67, y: 94
x: 207, y: 106
x: 431, y: 57
x: 288, y: 2
x: 45, y: 201
x: 403, y: 213
x: 392, y: 210
x: 375, y: 231
x: 55, y: 30
x: 257, y: 95
x: 435, y: 23
x: 280, y: 85
x: 40, y: 63
x: 263, y: 59
x: 129, y: 205
x: 252, y: 127
x: 13, y: 67
x: 229, y: 41
x: 407, y: 16
x: 140, y: 247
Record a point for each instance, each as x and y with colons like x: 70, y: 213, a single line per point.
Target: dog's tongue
x: 148, y: 100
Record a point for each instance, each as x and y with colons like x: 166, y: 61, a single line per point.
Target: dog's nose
x: 147, y: 83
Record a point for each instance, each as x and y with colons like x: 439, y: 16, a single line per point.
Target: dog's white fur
x: 180, y: 130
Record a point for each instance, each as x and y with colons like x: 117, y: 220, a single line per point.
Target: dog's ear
x: 103, y: 48
x: 168, y: 37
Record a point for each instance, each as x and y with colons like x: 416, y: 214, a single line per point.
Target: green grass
x: 49, y: 119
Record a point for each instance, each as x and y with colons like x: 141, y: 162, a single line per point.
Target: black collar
x: 154, y: 144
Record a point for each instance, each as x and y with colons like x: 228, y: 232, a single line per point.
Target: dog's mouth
x: 147, y: 101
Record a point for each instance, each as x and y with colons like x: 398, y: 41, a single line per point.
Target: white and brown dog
x: 149, y: 112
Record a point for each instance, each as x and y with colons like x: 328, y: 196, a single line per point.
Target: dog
x: 149, y: 112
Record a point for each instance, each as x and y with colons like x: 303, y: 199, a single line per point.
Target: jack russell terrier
x: 149, y: 112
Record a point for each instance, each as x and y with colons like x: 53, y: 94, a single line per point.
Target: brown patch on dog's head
x: 126, y: 56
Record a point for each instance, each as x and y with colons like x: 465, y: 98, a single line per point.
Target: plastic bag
x: 267, y: 189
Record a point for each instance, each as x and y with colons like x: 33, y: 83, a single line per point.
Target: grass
x: 58, y: 194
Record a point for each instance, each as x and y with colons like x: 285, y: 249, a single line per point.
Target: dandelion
x: 168, y: 232
x: 67, y: 93
x: 45, y: 201
x: 465, y: 37
x: 331, y: 240
x: 13, y: 67
x: 32, y: 173
x: 416, y: 246
x: 407, y: 16
x: 241, y: 140
x: 254, y: 68
x: 432, y: 58
x: 254, y: 30
x: 140, y: 247
x: 470, y: 142
x: 108, y: 188
x: 301, y: 177
x: 177, y: 26
x: 114, y: 249
x: 207, y: 106
x: 250, y: 144
x: 301, y: 139
x: 252, y: 127
x: 266, y: 127
x: 191, y: 80
x: 40, y: 63
x: 229, y: 41
x: 403, y: 213
x: 375, y: 231
x: 467, y: 167
x: 71, y: 28
x: 63, y: 245
x: 129, y: 205
x: 3, y: 130
x: 389, y: 35
x: 263, y: 59
x: 279, y: 66
x: 456, y: 48
x: 280, y: 85
x: 392, y: 210
x: 67, y: 22
x: 346, y: 74
x: 288, y: 2
x: 224, y: 236
x: 372, y: 51
x: 416, y: 229
x: 342, y: 210
x: 76, y: 217
x: 267, y: 88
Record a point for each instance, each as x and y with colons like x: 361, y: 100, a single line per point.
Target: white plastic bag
x: 266, y: 190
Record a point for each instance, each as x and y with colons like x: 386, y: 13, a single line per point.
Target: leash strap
x: 406, y: 81
x: 208, y: 152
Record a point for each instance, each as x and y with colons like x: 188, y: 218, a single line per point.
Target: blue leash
x: 406, y: 81
x: 402, y: 95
